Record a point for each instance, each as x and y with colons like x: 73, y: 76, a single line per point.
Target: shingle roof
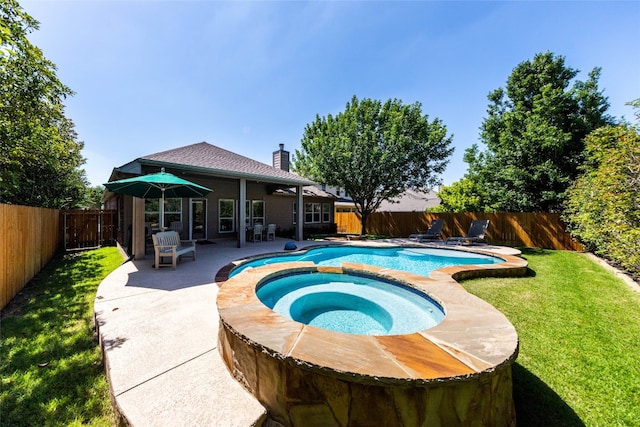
x: 208, y: 158
x: 409, y: 201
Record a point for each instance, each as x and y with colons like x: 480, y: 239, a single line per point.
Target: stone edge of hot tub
x: 474, y: 338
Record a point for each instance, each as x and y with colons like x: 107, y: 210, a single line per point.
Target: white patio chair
x: 271, y: 231
x: 257, y: 232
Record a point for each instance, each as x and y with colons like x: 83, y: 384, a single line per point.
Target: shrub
x: 603, y: 205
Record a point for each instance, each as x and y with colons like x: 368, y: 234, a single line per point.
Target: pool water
x: 351, y: 304
x: 420, y: 261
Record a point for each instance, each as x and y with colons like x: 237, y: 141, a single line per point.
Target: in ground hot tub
x: 455, y: 372
x: 350, y: 303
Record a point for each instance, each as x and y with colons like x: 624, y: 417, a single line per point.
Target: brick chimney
x: 281, y: 159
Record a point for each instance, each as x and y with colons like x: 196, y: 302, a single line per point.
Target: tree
x: 374, y: 151
x: 461, y: 196
x: 92, y: 198
x: 534, y: 135
x: 40, y: 155
x: 603, y: 205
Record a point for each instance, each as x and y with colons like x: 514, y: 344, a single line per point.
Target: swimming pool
x: 415, y: 260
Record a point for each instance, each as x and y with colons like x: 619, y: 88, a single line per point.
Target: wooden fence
x: 29, y: 238
x: 540, y: 230
x: 88, y: 228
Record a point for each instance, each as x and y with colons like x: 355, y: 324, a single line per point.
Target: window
x: 152, y: 212
x: 312, y: 212
x: 295, y: 212
x: 326, y: 212
x: 254, y: 211
x: 172, y: 211
x: 226, y: 216
x: 257, y: 211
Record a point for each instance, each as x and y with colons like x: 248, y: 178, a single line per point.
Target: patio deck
x: 159, y: 329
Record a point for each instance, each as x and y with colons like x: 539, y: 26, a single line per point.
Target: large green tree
x: 534, y: 135
x: 603, y: 204
x: 41, y: 159
x: 374, y: 151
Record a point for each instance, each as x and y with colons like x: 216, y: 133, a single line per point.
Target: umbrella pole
x: 162, y: 212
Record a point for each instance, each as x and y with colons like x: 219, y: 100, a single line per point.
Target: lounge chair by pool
x: 476, y: 232
x: 434, y: 231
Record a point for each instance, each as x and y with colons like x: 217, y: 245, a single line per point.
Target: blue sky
x: 247, y: 76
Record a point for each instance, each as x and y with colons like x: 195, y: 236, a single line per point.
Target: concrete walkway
x: 159, y: 328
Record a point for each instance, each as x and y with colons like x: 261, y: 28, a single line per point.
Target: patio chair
x: 257, y: 232
x: 271, y: 231
x: 476, y: 233
x: 434, y: 231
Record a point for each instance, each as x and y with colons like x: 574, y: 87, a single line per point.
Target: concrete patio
x: 159, y: 329
x: 159, y: 332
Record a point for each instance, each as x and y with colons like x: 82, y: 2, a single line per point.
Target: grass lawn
x: 50, y: 364
x: 579, y: 330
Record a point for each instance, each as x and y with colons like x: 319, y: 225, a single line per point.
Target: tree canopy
x: 374, y: 151
x: 40, y: 154
x: 534, y: 136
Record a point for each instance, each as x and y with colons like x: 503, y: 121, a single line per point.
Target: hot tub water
x: 352, y: 304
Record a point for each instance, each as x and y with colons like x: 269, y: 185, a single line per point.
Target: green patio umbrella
x: 157, y: 186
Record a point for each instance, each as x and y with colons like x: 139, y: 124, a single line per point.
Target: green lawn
x: 579, y: 330
x: 50, y: 363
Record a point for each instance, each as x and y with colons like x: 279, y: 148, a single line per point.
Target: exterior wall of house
x: 280, y: 211
x: 227, y: 189
x: 278, y: 208
x: 326, y: 215
x: 127, y: 220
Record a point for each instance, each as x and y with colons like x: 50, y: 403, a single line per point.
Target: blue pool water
x: 420, y: 261
x: 351, y: 304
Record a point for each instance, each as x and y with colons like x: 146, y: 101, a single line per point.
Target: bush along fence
x: 530, y: 229
x: 31, y: 236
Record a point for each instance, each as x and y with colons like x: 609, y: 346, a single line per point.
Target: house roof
x: 409, y: 201
x: 208, y: 159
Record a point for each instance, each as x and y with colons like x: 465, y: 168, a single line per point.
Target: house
x: 409, y: 201
x: 245, y: 192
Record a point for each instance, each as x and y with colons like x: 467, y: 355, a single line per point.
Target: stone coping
x: 474, y: 338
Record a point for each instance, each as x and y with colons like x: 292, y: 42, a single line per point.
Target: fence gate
x: 88, y: 228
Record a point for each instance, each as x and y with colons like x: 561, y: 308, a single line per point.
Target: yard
x: 50, y: 367
x: 578, y: 327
